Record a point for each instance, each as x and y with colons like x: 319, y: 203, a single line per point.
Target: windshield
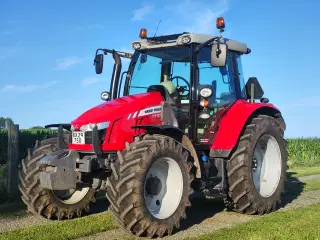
x: 155, y: 66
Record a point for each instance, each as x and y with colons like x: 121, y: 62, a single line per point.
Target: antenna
x: 157, y: 28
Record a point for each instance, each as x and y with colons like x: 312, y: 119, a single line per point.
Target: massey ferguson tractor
x: 179, y: 122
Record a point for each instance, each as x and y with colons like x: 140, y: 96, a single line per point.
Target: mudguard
x: 232, y: 123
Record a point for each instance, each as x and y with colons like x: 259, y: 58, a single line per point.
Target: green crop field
x: 303, y: 152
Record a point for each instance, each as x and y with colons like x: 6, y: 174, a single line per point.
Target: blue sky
x: 47, y: 49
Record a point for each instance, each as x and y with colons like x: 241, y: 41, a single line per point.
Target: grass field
x: 64, y: 230
x: 89, y: 225
x: 301, y: 223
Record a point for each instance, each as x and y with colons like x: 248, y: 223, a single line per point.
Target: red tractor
x: 186, y: 124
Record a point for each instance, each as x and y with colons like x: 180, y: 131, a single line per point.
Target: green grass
x: 312, y: 185
x: 303, y: 171
x: 71, y: 229
x: 301, y: 223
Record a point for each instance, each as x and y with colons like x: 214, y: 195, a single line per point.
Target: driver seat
x: 168, y: 106
x: 163, y: 91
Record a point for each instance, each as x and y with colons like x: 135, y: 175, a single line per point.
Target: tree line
x: 4, y: 120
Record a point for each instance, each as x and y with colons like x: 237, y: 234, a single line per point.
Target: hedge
x: 303, y: 152
x: 27, y: 139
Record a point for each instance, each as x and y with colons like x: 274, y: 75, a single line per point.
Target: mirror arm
x: 206, y: 43
x: 121, y: 54
x: 218, y: 49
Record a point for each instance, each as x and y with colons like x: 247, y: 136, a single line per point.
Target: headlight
x: 105, y: 96
x: 206, y: 92
x: 186, y: 39
x: 90, y: 126
x: 136, y: 45
x: 204, y: 115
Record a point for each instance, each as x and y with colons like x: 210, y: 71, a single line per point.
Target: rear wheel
x: 149, y: 188
x: 257, y: 168
x: 47, y: 203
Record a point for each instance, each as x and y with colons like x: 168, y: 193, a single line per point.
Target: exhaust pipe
x: 115, y: 75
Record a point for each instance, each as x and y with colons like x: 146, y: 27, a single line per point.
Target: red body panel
x: 233, y: 122
x: 123, y: 113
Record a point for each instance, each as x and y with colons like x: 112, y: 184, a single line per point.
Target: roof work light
x: 143, y: 33
x: 220, y: 23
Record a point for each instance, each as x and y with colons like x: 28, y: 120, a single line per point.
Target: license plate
x: 78, y: 138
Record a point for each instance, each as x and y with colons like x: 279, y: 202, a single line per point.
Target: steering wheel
x: 181, y: 89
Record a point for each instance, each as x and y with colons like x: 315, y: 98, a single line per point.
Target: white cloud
x: 66, y: 63
x: 90, y: 80
x: 204, y: 16
x: 27, y: 88
x: 140, y: 13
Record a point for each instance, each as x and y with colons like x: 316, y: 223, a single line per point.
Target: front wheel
x: 257, y: 168
x: 50, y: 204
x: 149, y: 188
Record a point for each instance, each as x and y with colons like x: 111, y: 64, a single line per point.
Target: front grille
x: 88, y: 136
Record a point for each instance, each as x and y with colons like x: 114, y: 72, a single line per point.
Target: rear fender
x: 233, y: 122
x: 178, y: 135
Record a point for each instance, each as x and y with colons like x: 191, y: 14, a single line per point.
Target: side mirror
x: 98, y: 62
x: 219, y: 55
x: 105, y: 96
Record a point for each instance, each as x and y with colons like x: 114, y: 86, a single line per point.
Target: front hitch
x: 58, y: 170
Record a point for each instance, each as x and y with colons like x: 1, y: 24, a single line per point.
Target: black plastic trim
x: 167, y: 130
x: 95, y: 141
x: 220, y: 153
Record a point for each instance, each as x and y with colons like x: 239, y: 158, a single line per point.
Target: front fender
x: 234, y: 121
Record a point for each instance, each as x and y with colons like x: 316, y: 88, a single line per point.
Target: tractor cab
x: 198, y: 75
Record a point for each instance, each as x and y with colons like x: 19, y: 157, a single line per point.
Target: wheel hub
x: 153, y: 186
x: 266, y: 165
x: 163, y: 187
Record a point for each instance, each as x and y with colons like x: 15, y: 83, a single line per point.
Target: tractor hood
x: 117, y: 108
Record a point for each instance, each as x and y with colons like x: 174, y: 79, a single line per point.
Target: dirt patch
x: 308, y: 178
x: 20, y: 218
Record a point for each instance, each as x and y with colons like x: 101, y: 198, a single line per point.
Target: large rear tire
x: 150, y: 185
x: 257, y: 168
x: 47, y: 203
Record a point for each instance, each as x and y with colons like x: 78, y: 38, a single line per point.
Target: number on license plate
x: 78, y: 138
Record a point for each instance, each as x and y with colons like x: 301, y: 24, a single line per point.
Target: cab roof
x: 177, y: 40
